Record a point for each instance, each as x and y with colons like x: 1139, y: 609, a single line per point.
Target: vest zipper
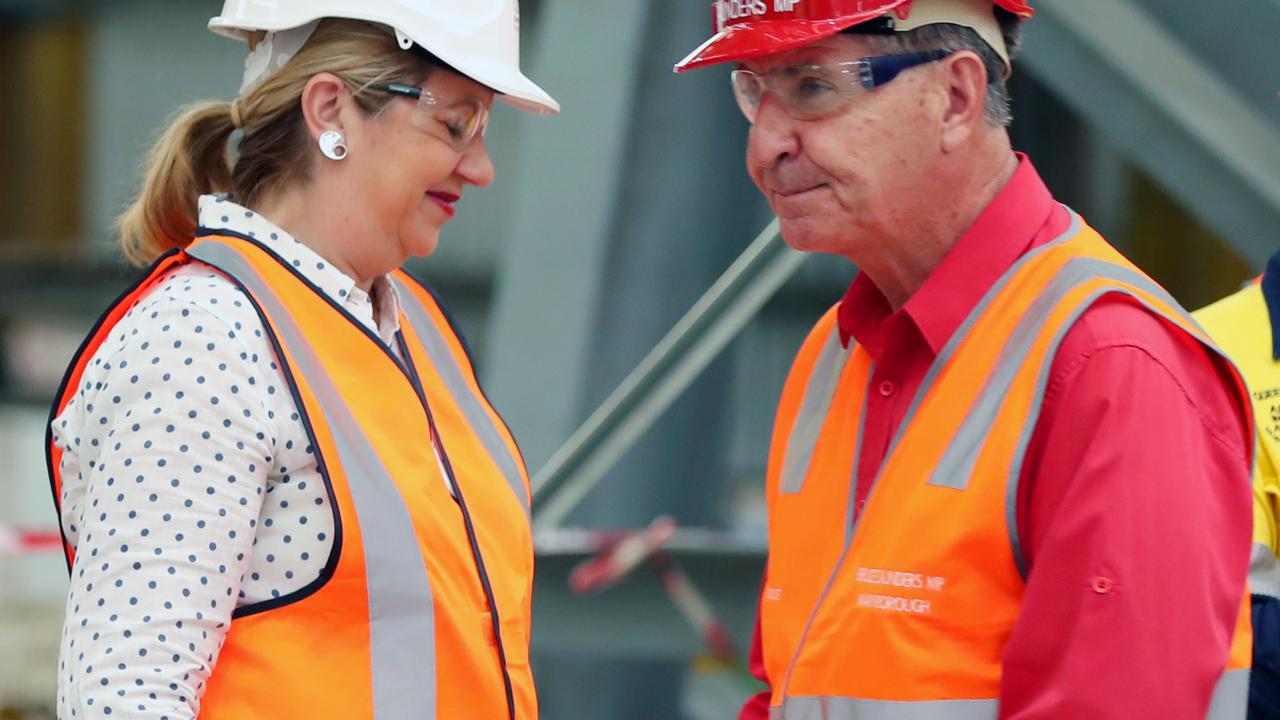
x: 411, y: 373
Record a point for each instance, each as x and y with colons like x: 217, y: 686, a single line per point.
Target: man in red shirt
x: 879, y: 134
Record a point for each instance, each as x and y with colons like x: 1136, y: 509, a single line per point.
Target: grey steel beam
x: 1237, y: 38
x: 626, y: 208
x: 1123, y: 71
x: 664, y: 374
x: 551, y: 271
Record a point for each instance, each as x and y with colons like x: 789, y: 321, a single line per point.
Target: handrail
x: 686, y: 350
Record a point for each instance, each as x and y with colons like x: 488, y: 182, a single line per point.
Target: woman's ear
x: 322, y: 101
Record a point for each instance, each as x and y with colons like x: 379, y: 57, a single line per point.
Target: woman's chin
x: 422, y: 245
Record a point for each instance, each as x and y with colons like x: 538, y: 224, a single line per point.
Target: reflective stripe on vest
x: 445, y: 364
x: 957, y: 463
x: 1230, y: 697
x: 1264, y: 571
x: 1229, y: 700
x: 840, y: 708
x: 402, y: 630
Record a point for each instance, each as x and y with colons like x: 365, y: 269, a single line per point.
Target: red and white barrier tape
x: 19, y: 541
x: 621, y: 553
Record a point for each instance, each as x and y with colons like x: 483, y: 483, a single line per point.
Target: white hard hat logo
x: 727, y: 10
x: 739, y: 9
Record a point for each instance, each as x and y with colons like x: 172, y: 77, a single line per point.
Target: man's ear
x: 966, y: 85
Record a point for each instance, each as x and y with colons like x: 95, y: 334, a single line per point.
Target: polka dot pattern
x: 189, y: 485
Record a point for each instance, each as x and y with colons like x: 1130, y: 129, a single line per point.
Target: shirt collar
x: 219, y: 212
x: 1271, y: 293
x: 1002, y: 233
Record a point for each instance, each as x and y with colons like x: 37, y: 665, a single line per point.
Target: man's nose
x: 772, y: 137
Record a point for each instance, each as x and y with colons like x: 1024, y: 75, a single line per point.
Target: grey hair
x: 998, y: 108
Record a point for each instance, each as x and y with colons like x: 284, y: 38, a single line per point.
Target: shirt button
x: 886, y: 388
x: 1102, y: 585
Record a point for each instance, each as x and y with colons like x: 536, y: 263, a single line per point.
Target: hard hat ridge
x: 273, y: 52
x: 478, y: 38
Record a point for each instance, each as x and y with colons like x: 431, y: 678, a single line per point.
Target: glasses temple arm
x: 876, y: 71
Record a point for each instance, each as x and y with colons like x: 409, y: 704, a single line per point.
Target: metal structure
x: 665, y: 373
x: 1174, y: 101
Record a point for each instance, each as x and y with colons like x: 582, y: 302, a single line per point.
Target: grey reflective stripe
x: 1037, y: 402
x: 1264, y: 571
x: 442, y: 359
x: 1231, y: 696
x: 955, y: 467
x: 401, y: 618
x: 842, y: 708
x: 850, y: 527
x: 949, y: 350
x: 818, y: 396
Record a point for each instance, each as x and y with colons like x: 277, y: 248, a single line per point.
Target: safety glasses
x: 457, y: 123
x: 816, y: 90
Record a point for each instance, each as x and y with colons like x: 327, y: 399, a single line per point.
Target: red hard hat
x: 752, y: 28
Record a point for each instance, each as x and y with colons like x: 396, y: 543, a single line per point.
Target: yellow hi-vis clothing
x: 1241, y: 325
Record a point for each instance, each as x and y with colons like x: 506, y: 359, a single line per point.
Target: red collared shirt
x: 1134, y: 503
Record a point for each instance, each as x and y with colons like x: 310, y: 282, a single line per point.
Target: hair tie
x: 236, y: 121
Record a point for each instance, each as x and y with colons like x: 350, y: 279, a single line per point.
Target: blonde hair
x: 192, y: 156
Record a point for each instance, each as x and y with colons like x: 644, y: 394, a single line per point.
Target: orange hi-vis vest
x: 906, y: 612
x: 423, y: 608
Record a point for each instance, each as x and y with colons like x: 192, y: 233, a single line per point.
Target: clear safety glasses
x: 814, y: 91
x: 462, y: 120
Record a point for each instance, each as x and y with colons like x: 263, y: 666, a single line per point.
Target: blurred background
x: 1156, y: 119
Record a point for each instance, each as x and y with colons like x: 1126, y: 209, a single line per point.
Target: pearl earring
x: 333, y: 144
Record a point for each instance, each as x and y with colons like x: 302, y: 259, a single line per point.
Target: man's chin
x: 805, y: 235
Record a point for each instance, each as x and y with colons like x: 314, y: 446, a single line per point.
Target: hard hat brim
x: 513, y: 88
x: 767, y: 37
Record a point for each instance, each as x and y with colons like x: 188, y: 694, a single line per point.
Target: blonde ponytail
x: 192, y: 157
x: 189, y: 160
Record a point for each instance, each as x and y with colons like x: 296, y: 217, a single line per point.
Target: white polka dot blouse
x: 189, y: 485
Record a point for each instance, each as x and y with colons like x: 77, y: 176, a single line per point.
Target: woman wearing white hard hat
x: 282, y: 491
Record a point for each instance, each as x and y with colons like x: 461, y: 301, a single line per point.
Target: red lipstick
x: 445, y: 200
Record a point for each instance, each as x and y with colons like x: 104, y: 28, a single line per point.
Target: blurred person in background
x: 282, y: 491
x: 1009, y: 476
x: 1246, y: 325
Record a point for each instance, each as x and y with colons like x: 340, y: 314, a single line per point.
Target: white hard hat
x: 479, y: 38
